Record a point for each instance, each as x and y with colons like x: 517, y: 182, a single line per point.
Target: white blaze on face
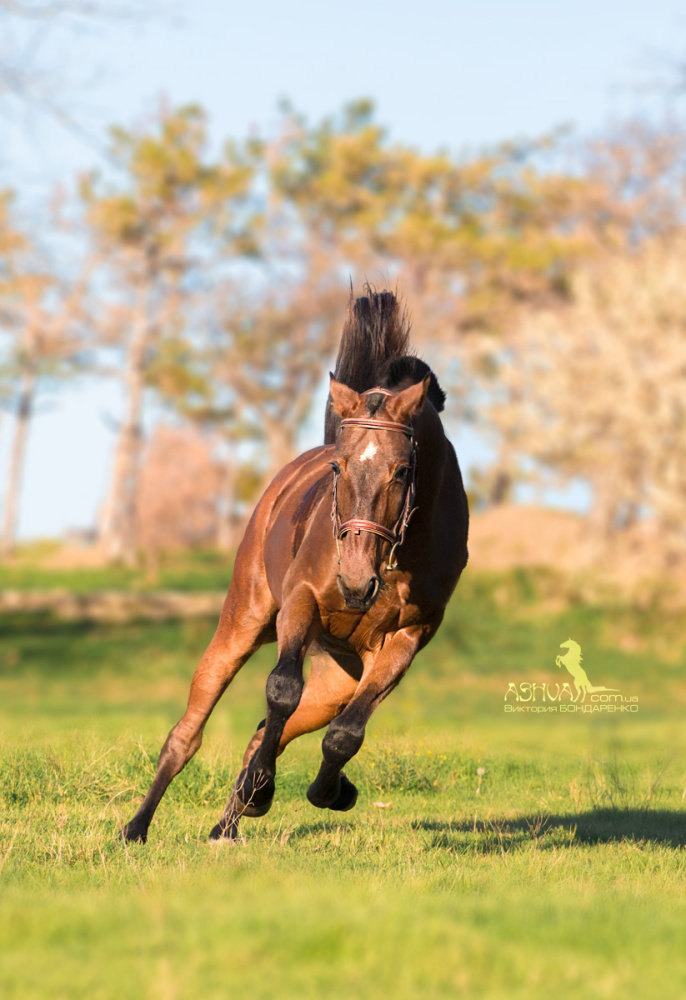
x: 369, y: 452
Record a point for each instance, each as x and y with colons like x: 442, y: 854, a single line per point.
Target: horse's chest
x: 392, y: 611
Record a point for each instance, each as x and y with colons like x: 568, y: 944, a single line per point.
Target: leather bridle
x: 395, y: 536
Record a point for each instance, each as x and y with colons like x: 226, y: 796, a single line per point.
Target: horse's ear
x: 410, y: 401
x: 343, y: 398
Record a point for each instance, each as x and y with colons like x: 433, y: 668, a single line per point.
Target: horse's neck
x: 433, y: 459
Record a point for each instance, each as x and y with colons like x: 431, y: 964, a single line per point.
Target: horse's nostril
x: 357, y: 597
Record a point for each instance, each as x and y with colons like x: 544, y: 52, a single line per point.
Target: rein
x: 395, y: 536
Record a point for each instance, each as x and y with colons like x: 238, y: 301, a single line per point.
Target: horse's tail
x: 376, y: 330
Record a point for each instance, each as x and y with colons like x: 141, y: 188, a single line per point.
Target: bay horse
x: 350, y: 556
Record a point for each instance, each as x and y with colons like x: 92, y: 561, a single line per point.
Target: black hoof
x: 133, y: 834
x: 255, y: 793
x: 344, y: 799
x: 347, y: 796
x: 225, y: 831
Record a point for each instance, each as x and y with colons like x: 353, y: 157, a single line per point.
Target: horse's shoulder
x: 295, y: 478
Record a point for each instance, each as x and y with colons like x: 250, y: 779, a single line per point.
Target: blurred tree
x: 472, y: 238
x: 588, y: 386
x: 220, y: 288
x: 155, y: 234
x: 517, y: 261
x: 43, y: 341
x: 597, y: 389
x: 270, y: 357
x: 476, y: 241
x: 178, y: 493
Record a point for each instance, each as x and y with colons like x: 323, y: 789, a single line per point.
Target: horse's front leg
x: 344, y: 737
x: 297, y: 625
x: 221, y: 661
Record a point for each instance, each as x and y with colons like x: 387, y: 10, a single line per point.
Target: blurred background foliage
x: 209, y: 281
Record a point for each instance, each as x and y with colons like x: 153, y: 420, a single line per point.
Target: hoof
x: 225, y: 831
x: 344, y: 799
x: 347, y: 795
x: 133, y: 834
x: 254, y: 792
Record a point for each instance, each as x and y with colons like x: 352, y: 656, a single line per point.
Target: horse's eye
x: 336, y: 468
x: 402, y: 473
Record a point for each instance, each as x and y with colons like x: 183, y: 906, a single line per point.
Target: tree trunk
x: 280, y: 437
x: 226, y: 539
x: 118, y: 519
x: 602, y: 517
x: 501, y: 476
x: 17, y: 459
x: 500, y: 490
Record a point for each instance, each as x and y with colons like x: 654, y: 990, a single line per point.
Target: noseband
x: 395, y: 536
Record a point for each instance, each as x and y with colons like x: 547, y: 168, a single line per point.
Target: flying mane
x: 375, y: 351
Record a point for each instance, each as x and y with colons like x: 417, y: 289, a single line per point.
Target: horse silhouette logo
x: 571, y: 661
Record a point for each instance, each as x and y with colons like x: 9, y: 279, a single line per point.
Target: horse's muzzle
x: 362, y: 597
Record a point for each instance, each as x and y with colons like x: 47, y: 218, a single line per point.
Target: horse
x: 350, y: 556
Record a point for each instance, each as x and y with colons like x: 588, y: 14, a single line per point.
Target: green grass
x: 186, y: 571
x: 490, y: 855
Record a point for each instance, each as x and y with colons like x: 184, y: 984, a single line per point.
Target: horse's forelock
x: 374, y: 401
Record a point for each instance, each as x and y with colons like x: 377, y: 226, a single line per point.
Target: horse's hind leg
x: 243, y: 626
x: 327, y: 691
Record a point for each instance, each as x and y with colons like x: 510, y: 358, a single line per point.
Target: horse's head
x: 374, y: 476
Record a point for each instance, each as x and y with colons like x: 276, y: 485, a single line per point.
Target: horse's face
x: 374, y: 481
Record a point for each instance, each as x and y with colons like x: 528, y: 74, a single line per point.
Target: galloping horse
x: 350, y: 556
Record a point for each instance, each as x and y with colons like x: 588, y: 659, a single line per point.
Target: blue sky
x: 442, y: 73
x: 456, y: 75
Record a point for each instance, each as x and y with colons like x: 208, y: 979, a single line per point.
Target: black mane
x: 375, y: 350
x: 411, y: 369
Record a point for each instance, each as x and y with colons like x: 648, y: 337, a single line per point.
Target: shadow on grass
x: 597, y: 826
x: 500, y: 835
x: 318, y: 827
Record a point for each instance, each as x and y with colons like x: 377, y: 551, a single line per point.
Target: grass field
x: 491, y: 854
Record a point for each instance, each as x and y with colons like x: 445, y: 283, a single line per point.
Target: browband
x: 377, y: 425
x: 358, y: 524
x: 370, y: 424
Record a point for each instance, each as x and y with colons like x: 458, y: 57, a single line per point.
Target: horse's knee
x: 284, y: 691
x: 342, y: 741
